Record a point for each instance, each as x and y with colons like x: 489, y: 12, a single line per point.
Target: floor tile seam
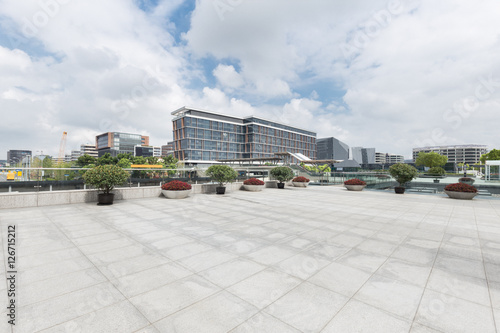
x: 187, y: 306
x: 60, y: 295
x: 487, y: 280
x: 100, y: 271
x: 268, y: 314
x: 96, y: 311
x: 430, y: 272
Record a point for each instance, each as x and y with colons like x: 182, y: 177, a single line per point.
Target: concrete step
x: 484, y: 192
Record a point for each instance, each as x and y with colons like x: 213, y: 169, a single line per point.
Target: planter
x: 253, y: 188
x: 399, y: 189
x: 281, y: 185
x: 176, y: 194
x: 436, y: 181
x: 461, y: 195
x: 105, y: 198
x: 355, y: 187
x: 220, y: 189
x: 468, y: 182
x: 300, y: 184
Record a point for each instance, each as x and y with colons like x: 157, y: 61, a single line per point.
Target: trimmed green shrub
x: 403, y: 173
x: 105, y: 177
x: 436, y: 171
x: 282, y: 173
x: 221, y: 174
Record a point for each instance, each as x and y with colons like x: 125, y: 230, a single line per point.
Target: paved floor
x: 319, y: 259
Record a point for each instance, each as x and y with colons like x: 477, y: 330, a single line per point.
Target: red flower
x: 460, y: 187
x: 300, y: 180
x: 354, y: 181
x: 253, y: 181
x: 176, y: 185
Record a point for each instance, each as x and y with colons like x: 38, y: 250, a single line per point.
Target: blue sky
x: 391, y: 74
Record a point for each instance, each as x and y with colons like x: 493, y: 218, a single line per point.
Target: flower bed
x: 176, y: 185
x: 253, y: 181
x: 354, y: 181
x: 300, y: 180
x: 460, y: 187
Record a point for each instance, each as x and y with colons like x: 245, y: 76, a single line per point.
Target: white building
x: 89, y: 149
x: 468, y: 154
x: 157, y: 151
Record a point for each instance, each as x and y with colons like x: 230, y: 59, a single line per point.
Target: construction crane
x: 62, y: 147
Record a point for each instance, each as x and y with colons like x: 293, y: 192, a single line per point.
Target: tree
x: 47, y: 162
x: 221, y: 174
x: 403, y: 173
x: 431, y: 159
x: 84, y: 160
x: 492, y: 155
x: 282, y: 173
x: 107, y: 159
x: 124, y: 163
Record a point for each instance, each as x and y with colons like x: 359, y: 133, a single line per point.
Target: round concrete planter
x: 176, y: 194
x: 253, y: 188
x: 468, y: 182
x: 300, y: 184
x: 461, y: 195
x: 355, y: 187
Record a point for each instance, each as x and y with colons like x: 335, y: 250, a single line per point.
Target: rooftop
x: 316, y: 259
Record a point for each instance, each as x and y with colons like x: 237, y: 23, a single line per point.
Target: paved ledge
x: 319, y: 259
x: 44, y: 198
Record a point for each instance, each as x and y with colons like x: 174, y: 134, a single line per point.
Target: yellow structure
x: 146, y: 166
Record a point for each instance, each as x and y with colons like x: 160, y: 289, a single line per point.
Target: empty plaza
x: 315, y: 259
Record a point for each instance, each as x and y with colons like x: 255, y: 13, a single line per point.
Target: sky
x: 392, y: 75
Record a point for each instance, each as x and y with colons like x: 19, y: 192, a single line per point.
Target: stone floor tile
x: 121, y: 317
x: 159, y: 303
x: 405, y: 271
x: 308, y: 307
x: 302, y: 265
x: 272, y: 254
x: 394, y: 296
x: 264, y: 323
x: 219, y: 313
x: 342, y: 279
x: 357, y: 317
x: 368, y: 262
x: 451, y: 314
x: 265, y: 287
x: 205, y: 260
x: 231, y: 272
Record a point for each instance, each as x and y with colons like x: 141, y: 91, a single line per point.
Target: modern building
x: 16, y: 156
x: 157, y: 151
x: 144, y: 151
x: 119, y: 143
x: 468, y: 154
x: 75, y: 154
x: 387, y: 158
x: 167, y: 149
x: 363, y: 155
x: 332, y: 149
x: 88, y: 149
x: 201, y: 135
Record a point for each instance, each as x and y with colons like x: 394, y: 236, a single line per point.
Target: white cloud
x: 91, y: 64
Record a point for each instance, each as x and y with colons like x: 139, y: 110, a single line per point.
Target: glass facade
x: 118, y: 143
x: 206, y: 136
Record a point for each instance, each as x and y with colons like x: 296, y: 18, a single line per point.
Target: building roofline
x: 187, y: 108
x: 453, y: 146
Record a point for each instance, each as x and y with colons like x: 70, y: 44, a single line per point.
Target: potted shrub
x: 300, y: 181
x: 281, y: 174
x: 104, y: 178
x: 403, y: 173
x: 354, y: 184
x: 221, y: 174
x: 437, y: 172
x: 466, y: 180
x: 176, y: 189
x: 460, y: 191
x: 253, y: 185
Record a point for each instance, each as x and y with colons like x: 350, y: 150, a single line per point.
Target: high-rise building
x: 468, y: 154
x: 386, y: 158
x: 75, y: 154
x: 332, y: 149
x: 16, y: 156
x: 363, y: 155
x: 89, y: 149
x: 144, y: 151
x: 201, y: 135
x: 167, y: 149
x: 119, y: 143
x: 157, y: 151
